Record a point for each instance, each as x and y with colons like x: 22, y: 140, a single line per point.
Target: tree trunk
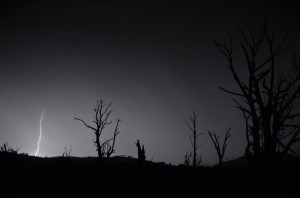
x: 220, y: 162
x: 98, y: 146
x: 269, y: 149
x: 256, y: 142
x: 195, y: 150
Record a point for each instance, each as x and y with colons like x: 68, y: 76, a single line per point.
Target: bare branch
x: 85, y: 124
x: 230, y: 92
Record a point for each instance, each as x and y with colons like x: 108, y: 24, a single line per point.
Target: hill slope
x: 28, y: 176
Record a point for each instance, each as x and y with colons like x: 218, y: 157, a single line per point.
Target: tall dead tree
x: 102, y: 113
x: 192, y: 124
x: 269, y: 96
x: 220, y: 149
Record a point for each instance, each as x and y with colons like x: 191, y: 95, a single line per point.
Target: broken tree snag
x: 141, y: 152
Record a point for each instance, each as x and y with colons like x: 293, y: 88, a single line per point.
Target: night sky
x: 154, y: 61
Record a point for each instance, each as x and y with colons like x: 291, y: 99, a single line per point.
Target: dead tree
x: 220, y: 149
x: 194, y: 138
x: 9, y: 149
x: 102, y: 113
x: 141, y: 152
x: 270, y: 93
x: 67, y: 151
x: 187, y: 158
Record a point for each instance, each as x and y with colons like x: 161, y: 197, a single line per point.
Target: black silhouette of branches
x: 67, y: 151
x: 102, y: 113
x: 9, y: 149
x: 192, y: 124
x: 187, y: 158
x: 108, y: 146
x: 268, y: 98
x: 221, y: 149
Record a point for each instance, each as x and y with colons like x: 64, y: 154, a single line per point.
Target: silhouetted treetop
x: 268, y: 98
x: 102, y: 112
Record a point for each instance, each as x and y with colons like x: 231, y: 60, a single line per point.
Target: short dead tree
x: 67, y: 151
x: 220, y: 149
x: 187, y: 158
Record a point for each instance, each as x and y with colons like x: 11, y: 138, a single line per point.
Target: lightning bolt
x: 41, y: 130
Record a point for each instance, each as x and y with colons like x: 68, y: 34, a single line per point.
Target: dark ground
x: 27, y: 176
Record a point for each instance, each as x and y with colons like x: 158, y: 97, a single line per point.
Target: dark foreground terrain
x: 27, y: 176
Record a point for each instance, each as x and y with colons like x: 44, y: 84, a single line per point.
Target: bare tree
x: 187, y: 158
x: 268, y: 98
x: 102, y: 113
x: 220, y: 149
x: 67, y: 151
x: 192, y: 124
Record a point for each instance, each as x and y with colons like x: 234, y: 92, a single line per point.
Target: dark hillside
x: 26, y: 176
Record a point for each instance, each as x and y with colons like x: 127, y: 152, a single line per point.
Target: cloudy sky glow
x: 154, y: 61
